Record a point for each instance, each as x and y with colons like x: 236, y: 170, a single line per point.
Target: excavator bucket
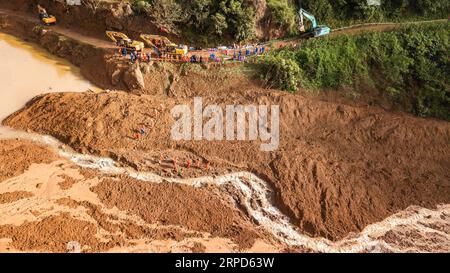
x: 50, y: 20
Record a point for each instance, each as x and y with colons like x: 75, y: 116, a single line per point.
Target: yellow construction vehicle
x: 122, y: 40
x: 45, y: 18
x: 163, y: 46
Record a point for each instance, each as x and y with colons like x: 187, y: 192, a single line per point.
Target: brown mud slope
x: 47, y: 202
x: 338, y: 168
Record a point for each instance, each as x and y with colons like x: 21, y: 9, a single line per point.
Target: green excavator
x: 315, y: 30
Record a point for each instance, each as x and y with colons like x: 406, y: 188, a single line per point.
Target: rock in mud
x: 145, y: 68
x: 113, y: 22
x: 133, y: 78
x: 116, y: 76
x: 127, y: 10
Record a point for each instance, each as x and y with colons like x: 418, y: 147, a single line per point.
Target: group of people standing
x: 241, y: 54
x: 234, y: 54
x: 136, y: 55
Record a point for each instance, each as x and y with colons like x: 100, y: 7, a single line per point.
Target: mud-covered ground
x: 47, y: 202
x: 338, y: 168
x: 53, y: 205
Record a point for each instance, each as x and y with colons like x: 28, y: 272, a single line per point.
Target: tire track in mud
x: 365, y: 26
x: 255, y: 197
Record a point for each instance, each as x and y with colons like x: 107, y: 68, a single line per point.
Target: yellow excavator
x: 122, y: 40
x: 45, y: 18
x: 163, y: 46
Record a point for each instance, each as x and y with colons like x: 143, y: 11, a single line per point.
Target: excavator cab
x: 122, y: 40
x: 315, y: 30
x: 321, y: 31
x: 45, y: 18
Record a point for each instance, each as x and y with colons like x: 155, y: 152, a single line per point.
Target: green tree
x: 283, y: 13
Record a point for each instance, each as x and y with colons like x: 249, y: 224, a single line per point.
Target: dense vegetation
x: 283, y: 14
x: 204, y: 21
x: 212, y: 21
x: 409, y: 65
x: 345, y: 12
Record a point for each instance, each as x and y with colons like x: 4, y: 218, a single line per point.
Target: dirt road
x: 352, y: 30
x: 107, y: 44
x: 61, y: 30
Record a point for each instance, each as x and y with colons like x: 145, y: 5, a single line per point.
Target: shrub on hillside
x: 344, y: 12
x: 283, y: 13
x: 208, y: 21
x: 411, y: 64
x: 281, y: 72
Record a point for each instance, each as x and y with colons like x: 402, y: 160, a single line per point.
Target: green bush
x: 411, y: 65
x: 203, y: 21
x: 210, y: 22
x: 283, y: 13
x: 345, y: 12
x: 281, y: 72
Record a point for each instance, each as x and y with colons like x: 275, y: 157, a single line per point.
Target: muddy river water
x: 27, y: 71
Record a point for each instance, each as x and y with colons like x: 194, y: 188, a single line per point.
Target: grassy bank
x: 210, y: 22
x: 348, y: 12
x: 411, y: 65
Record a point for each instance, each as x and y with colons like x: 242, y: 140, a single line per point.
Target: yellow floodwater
x: 27, y: 71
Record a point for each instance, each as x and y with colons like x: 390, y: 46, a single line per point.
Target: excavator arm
x: 162, y: 45
x: 303, y: 13
x: 148, y: 39
x: 113, y: 35
x: 157, y: 40
x: 45, y: 17
x: 122, y: 40
x: 315, y: 30
x: 41, y: 9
